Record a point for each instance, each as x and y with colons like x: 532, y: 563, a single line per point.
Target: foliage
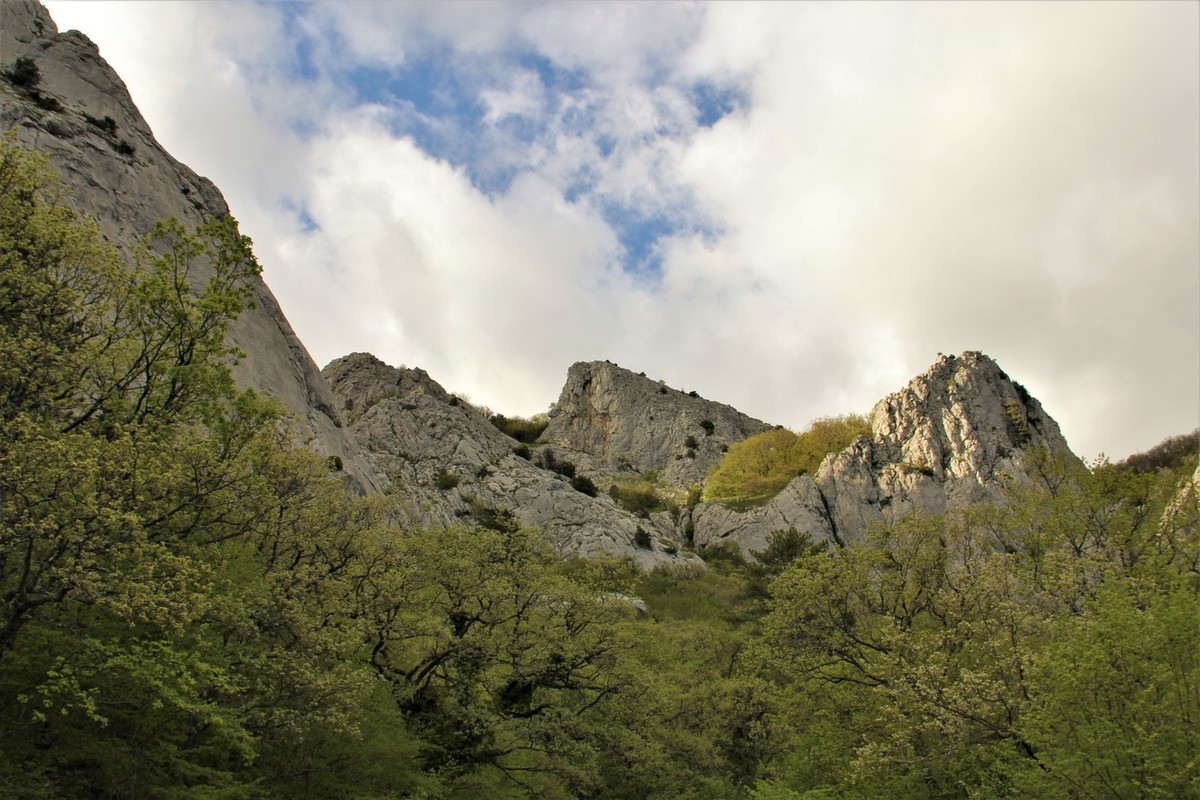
x: 1030, y: 650
x: 1176, y: 452
x: 445, y: 480
x: 522, y: 429
x: 192, y: 606
x: 582, y: 483
x: 641, y: 499
x: 24, y: 73
x: 760, y: 467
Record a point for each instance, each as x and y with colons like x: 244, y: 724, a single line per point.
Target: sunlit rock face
x: 80, y: 113
x: 954, y: 436
x: 957, y: 434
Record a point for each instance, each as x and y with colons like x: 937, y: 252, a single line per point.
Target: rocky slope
x: 954, y: 436
x: 447, y: 463
x: 80, y: 112
x: 625, y: 421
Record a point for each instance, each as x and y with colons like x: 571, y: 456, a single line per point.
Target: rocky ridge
x: 447, y: 463
x: 627, y: 422
x: 81, y: 114
x: 954, y: 436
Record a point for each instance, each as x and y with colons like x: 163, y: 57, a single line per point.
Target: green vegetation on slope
x: 190, y: 606
x: 758, y: 468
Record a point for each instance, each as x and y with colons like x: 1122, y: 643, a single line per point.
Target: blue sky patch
x: 713, y: 102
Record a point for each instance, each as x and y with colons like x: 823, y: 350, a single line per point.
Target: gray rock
x: 800, y: 506
x: 446, y: 463
x: 954, y: 436
x: 121, y: 177
x: 628, y: 422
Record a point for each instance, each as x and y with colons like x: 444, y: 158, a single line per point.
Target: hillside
x: 232, y: 576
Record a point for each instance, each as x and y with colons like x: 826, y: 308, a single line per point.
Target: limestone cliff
x: 81, y: 114
x: 954, y: 436
x: 447, y: 463
x: 626, y: 421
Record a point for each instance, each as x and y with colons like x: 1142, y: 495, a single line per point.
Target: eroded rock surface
x: 447, y: 463
x: 627, y: 421
x: 81, y: 114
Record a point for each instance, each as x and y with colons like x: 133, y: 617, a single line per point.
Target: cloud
x: 788, y: 207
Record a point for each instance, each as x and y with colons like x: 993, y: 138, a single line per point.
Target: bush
x: 761, y: 466
x: 1172, y: 453
x: 24, y: 72
x: 522, y: 451
x: 445, y: 480
x: 639, y: 499
x: 642, y: 539
x: 558, y: 467
x: 581, y: 483
x: 690, y: 442
x: 106, y: 124
x: 520, y: 428
x: 708, y: 426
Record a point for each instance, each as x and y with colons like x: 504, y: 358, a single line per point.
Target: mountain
x: 447, y: 463
x: 625, y: 421
x: 80, y: 113
x: 618, y: 468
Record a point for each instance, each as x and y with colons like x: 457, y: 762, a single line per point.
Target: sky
x: 792, y: 208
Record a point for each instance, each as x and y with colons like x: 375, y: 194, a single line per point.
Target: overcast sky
x: 791, y: 208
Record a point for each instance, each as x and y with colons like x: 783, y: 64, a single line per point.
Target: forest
x: 192, y: 605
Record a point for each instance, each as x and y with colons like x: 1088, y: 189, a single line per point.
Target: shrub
x: 639, y: 499
x: 24, y: 72
x: 642, y: 539
x: 124, y: 148
x: 690, y: 442
x: 761, y: 466
x: 106, y: 124
x: 708, y: 426
x: 445, y: 480
x: 582, y: 483
x: 46, y: 102
x: 1172, y: 453
x: 522, y: 451
x: 521, y: 428
x: 557, y: 466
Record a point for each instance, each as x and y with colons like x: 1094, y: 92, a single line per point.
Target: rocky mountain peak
x: 627, y: 421
x: 962, y: 418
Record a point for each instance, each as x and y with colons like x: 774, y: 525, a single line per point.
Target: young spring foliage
x: 758, y: 468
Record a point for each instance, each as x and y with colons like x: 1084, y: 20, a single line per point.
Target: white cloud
x: 901, y: 180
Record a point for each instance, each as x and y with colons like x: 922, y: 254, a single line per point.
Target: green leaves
x: 760, y: 467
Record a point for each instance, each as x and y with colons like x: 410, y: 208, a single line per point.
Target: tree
x: 176, y: 578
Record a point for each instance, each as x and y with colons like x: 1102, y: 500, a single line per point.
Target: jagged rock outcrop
x: 951, y: 438
x: 447, y: 463
x: 956, y: 435
x: 625, y: 421
x: 81, y: 114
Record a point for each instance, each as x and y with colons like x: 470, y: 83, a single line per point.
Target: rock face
x: 626, y: 421
x: 80, y: 112
x: 951, y: 438
x: 447, y: 463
